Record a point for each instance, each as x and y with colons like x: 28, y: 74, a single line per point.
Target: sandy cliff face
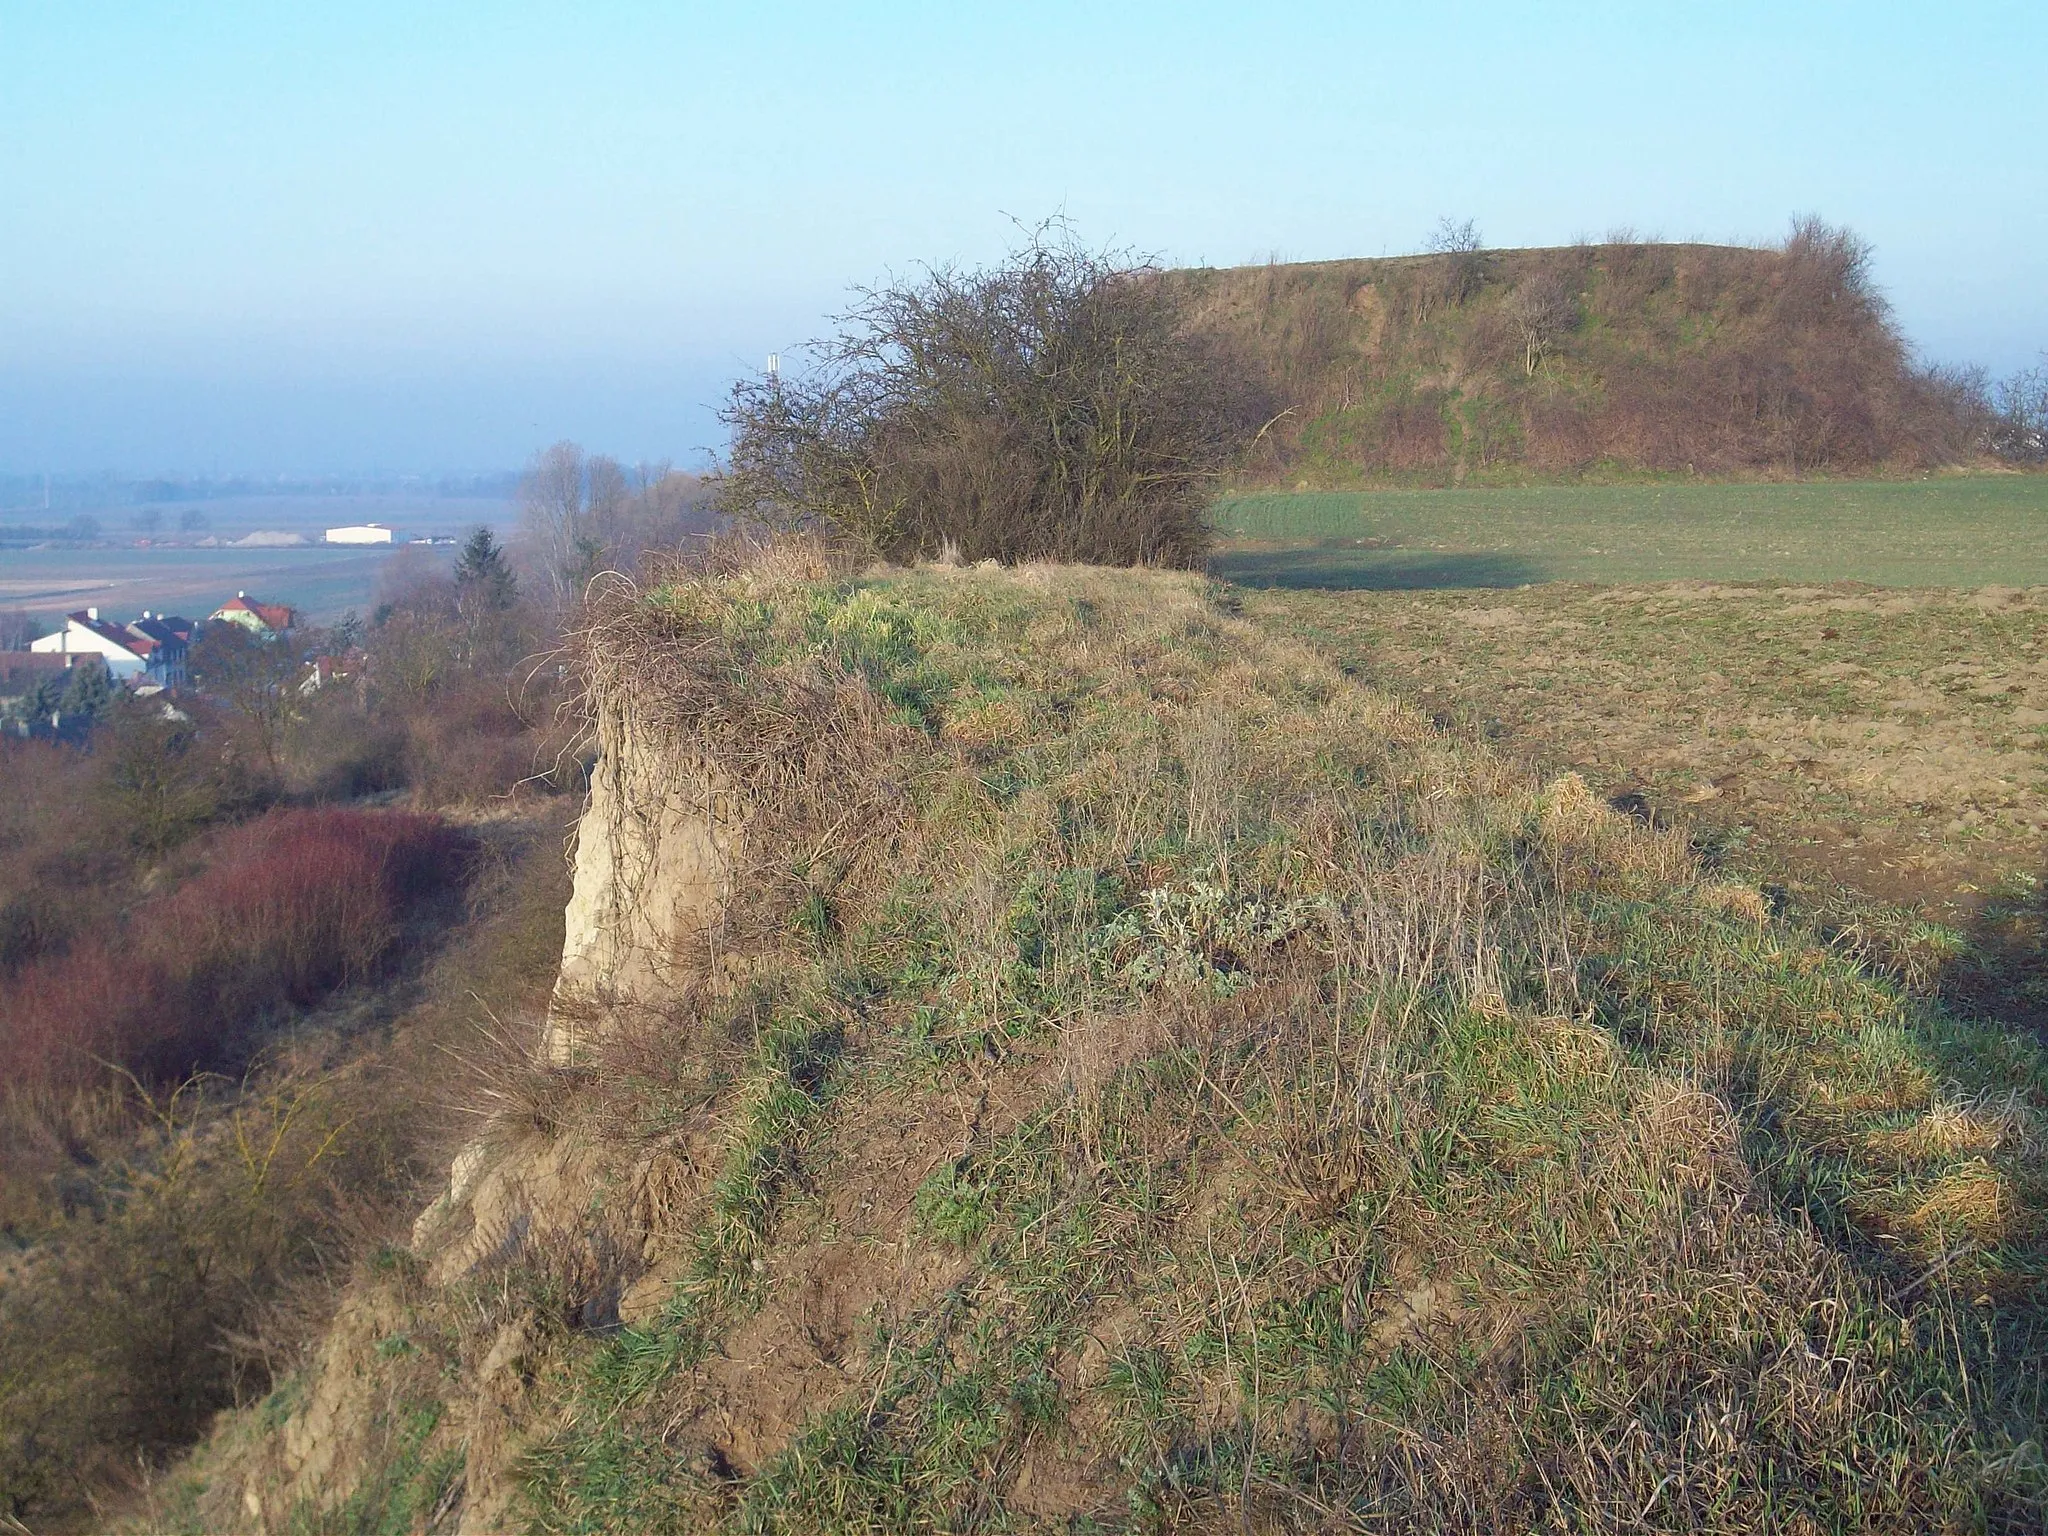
x: 653, y: 864
x: 654, y: 869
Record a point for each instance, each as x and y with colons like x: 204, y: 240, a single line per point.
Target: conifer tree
x: 90, y: 691
x: 482, y: 573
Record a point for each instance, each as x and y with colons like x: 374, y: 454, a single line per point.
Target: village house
x: 149, y: 652
x: 326, y: 671
x: 266, y: 621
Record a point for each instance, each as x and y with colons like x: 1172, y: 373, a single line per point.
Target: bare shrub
x: 471, y: 746
x: 1054, y: 406
x: 290, y: 906
x: 1948, y: 414
x: 1543, y: 311
x: 159, y: 784
x: 1465, y: 265
x: 2018, y: 430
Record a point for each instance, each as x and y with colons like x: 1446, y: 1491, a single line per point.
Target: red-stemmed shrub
x: 288, y: 908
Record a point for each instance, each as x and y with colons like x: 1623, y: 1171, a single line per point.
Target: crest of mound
x: 1035, y: 1052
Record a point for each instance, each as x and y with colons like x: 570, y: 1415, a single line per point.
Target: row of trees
x: 585, y: 513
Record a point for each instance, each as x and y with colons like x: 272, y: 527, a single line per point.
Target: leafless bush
x: 1826, y: 268
x: 1055, y: 406
x: 2019, y: 418
x: 1542, y: 310
x: 1947, y: 414
x: 1465, y: 265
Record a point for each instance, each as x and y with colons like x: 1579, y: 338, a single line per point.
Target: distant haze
x: 381, y: 238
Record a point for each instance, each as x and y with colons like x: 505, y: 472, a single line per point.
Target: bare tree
x: 1465, y: 263
x: 1453, y: 237
x: 255, y: 680
x: 656, y: 508
x: 553, y: 519
x: 1543, y: 311
x: 607, y: 490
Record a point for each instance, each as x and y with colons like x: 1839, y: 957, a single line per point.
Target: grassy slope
x: 1177, y: 1087
x: 1673, y: 359
x: 1890, y: 743
x: 1949, y: 531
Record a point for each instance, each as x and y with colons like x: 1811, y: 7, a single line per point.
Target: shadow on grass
x: 2003, y: 972
x: 1344, y: 568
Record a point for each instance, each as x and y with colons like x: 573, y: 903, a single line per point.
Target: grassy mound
x: 1617, y: 359
x: 1150, y: 1082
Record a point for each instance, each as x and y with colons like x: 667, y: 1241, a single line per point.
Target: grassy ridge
x: 1584, y: 361
x: 1950, y: 531
x: 1171, y: 1087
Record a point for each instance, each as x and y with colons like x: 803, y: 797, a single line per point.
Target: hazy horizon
x: 243, y: 241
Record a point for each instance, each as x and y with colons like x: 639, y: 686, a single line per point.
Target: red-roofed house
x: 264, y: 620
x: 325, y: 671
x: 149, y: 651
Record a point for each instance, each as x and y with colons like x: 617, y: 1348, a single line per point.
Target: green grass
x: 1361, y: 1096
x: 1204, y: 1096
x: 1949, y: 531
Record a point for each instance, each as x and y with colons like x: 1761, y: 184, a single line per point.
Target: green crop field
x: 1966, y: 531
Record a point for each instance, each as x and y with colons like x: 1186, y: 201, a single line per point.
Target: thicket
x: 208, y: 912
x: 1615, y: 357
x: 1056, y: 405
x: 287, y: 908
x: 191, y: 1241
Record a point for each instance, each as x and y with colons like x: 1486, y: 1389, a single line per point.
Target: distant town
x: 62, y: 681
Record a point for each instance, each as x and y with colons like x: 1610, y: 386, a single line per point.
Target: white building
x: 150, y: 650
x: 360, y: 533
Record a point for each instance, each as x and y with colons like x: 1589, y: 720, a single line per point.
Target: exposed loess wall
x: 654, y: 869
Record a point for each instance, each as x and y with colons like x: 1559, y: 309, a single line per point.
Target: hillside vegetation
x: 1614, y: 358
x: 1128, y: 1076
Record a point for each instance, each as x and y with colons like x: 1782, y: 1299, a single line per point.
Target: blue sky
x: 299, y: 238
